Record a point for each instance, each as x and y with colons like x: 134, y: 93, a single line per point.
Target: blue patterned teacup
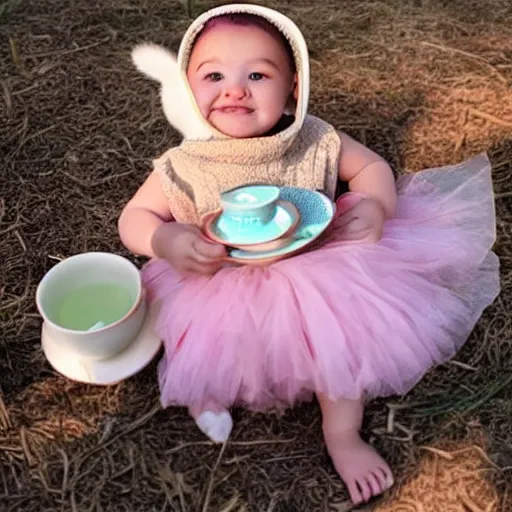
x: 248, y: 208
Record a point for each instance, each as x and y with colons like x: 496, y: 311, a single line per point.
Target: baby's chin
x: 240, y: 131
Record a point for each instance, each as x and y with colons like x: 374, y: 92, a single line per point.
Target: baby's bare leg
x: 363, y: 470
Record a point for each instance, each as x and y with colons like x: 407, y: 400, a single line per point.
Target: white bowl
x: 86, y: 269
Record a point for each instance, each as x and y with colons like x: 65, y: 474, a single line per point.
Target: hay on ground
x: 422, y: 82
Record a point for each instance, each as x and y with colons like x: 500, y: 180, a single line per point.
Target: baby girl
x: 393, y: 288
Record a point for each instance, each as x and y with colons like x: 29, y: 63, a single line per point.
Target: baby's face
x: 241, y: 79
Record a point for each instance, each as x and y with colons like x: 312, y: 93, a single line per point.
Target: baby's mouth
x: 234, y: 110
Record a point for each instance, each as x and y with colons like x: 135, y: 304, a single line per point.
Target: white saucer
x: 106, y: 371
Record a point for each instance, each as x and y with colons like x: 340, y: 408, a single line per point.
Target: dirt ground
x: 423, y: 82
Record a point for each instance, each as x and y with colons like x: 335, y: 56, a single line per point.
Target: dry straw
x: 423, y: 82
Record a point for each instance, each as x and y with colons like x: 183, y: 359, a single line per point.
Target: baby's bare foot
x: 363, y: 470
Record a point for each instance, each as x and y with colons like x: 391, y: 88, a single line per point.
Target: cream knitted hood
x: 178, y: 101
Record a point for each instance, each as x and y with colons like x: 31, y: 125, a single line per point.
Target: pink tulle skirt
x: 346, y: 319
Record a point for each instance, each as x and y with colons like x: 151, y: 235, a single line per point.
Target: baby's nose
x: 235, y: 90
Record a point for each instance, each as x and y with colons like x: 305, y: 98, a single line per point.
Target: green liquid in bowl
x: 84, y: 307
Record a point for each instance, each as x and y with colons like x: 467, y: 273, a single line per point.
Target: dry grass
x: 423, y: 82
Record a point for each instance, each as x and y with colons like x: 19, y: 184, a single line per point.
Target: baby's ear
x: 155, y: 61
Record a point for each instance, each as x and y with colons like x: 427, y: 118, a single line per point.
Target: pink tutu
x: 346, y: 319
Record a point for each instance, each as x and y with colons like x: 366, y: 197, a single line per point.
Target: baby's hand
x: 187, y: 250
x: 364, y: 222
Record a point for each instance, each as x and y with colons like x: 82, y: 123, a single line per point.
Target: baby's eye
x: 256, y: 76
x: 214, y: 77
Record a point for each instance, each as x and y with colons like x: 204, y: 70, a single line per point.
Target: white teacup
x: 92, y: 303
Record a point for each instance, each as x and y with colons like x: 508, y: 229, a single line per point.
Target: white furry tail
x: 217, y: 426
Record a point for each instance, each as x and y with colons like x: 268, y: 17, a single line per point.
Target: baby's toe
x: 375, y: 484
x: 355, y: 493
x: 366, y: 490
x: 388, y: 477
x: 382, y: 476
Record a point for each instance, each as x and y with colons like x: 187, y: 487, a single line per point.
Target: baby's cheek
x: 204, y: 105
x: 199, y: 96
x: 205, y: 111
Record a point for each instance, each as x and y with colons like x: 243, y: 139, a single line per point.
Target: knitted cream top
x: 195, y: 173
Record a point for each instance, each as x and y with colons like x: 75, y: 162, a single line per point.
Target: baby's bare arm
x: 368, y: 173
x: 146, y: 211
x: 146, y: 227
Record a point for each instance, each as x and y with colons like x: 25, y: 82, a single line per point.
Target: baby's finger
x: 345, y: 219
x: 358, y: 229
x: 203, y: 269
x: 357, y: 225
x: 207, y: 251
x: 353, y: 235
x: 367, y: 235
x: 373, y: 237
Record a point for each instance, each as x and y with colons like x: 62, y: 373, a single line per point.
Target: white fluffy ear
x: 179, y: 107
x: 155, y: 61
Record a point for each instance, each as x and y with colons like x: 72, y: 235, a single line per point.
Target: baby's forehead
x: 243, y: 20
x: 228, y: 27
